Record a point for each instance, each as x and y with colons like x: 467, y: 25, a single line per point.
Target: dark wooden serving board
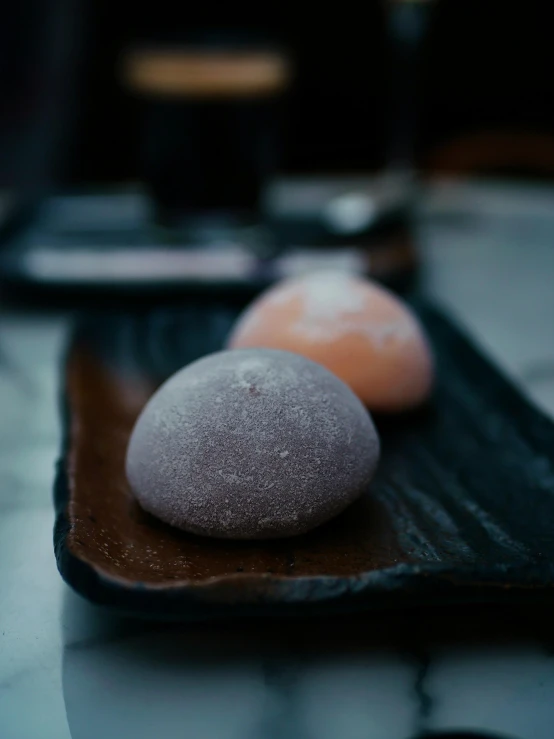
x: 462, y: 507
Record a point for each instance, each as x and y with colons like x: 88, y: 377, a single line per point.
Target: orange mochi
x: 356, y: 328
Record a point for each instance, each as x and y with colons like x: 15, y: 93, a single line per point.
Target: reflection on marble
x: 507, y: 690
x: 131, y: 682
x: 375, y: 676
x: 242, y: 680
x: 70, y: 670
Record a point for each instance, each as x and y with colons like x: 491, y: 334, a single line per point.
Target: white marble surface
x: 68, y: 670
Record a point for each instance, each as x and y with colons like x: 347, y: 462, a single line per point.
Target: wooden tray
x: 462, y: 508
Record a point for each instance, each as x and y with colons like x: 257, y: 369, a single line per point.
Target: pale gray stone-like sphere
x: 251, y: 444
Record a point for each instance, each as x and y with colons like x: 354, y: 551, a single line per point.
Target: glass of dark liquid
x: 210, y: 128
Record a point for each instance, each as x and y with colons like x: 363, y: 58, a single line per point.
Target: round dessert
x: 251, y: 444
x: 357, y: 329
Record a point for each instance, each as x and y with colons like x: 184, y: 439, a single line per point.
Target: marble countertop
x: 70, y: 670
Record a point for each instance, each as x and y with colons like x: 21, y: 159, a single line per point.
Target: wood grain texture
x: 460, y: 509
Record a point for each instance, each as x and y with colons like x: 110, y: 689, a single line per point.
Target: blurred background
x: 142, y: 131
x: 173, y: 150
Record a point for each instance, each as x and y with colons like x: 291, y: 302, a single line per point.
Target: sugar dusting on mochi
x: 251, y: 444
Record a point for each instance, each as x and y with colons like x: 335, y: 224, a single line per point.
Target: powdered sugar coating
x: 352, y: 326
x: 251, y: 444
x: 335, y: 305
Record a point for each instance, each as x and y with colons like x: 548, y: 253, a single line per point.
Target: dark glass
x: 199, y: 156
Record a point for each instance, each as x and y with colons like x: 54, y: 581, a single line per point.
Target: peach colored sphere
x: 357, y: 329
